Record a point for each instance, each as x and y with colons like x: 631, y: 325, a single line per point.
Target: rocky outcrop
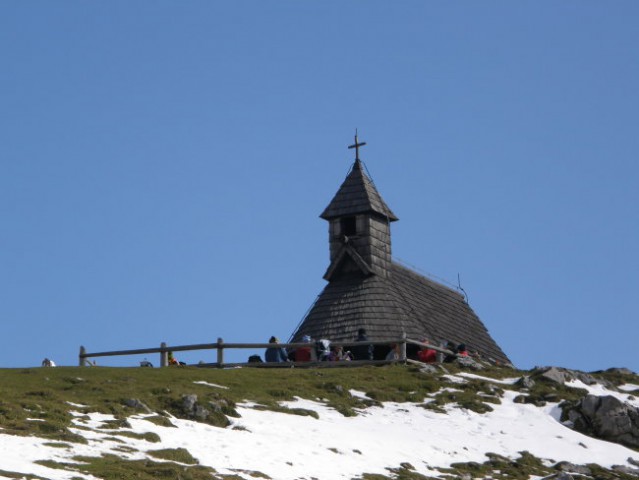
x: 193, y: 409
x: 569, y: 467
x: 214, y: 411
x: 137, y: 404
x: 559, y: 476
x: 563, y: 375
x: 607, y: 418
x: 468, y: 362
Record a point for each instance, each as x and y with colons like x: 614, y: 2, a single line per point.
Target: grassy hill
x: 47, y: 402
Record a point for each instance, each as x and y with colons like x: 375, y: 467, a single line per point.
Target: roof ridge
x: 427, y: 275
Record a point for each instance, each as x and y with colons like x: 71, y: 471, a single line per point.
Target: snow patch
x: 215, y: 385
x: 359, y: 394
x: 502, y: 381
x: 455, y: 378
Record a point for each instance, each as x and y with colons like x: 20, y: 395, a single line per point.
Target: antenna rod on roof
x: 459, y: 287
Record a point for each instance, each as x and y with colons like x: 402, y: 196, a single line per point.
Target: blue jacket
x: 274, y: 354
x: 362, y: 352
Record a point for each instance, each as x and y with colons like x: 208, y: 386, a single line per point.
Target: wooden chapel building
x: 367, y: 289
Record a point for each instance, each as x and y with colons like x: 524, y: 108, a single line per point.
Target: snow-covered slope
x: 285, y: 446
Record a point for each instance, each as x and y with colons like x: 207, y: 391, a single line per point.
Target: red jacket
x: 427, y: 356
x: 303, y: 354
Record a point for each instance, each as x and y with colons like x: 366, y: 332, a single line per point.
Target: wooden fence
x: 220, y: 346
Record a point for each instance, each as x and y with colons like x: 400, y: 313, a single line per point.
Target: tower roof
x: 357, y: 195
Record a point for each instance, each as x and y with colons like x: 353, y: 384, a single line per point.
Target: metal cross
x: 356, y: 146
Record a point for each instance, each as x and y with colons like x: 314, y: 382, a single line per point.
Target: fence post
x: 220, y: 352
x: 164, y: 355
x: 81, y: 356
x: 402, y: 354
x: 440, y: 355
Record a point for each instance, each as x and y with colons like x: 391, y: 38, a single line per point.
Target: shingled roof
x: 403, y: 302
x: 357, y: 195
x: 366, y: 289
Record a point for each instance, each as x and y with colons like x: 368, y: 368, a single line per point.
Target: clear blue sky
x: 163, y: 165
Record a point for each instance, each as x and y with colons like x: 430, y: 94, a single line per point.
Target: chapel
x: 367, y: 289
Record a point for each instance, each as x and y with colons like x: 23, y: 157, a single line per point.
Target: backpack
x: 255, y: 359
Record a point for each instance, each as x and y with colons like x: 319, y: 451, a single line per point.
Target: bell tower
x: 359, y: 226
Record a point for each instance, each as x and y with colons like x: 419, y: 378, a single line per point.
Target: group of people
x: 47, y: 362
x: 322, y: 350
x: 429, y: 355
x: 360, y: 350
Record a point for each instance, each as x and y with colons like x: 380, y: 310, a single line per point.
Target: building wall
x: 371, y: 240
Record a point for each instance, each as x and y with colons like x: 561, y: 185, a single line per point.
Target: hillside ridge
x: 391, y: 422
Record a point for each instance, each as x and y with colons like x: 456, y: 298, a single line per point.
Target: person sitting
x: 275, y: 354
x: 337, y: 354
x: 425, y: 354
x: 395, y: 353
x: 461, y: 350
x: 172, y: 360
x: 450, y: 357
x: 362, y: 351
x: 303, y: 354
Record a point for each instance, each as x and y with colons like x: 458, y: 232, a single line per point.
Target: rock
x: 526, y: 399
x: 496, y: 459
x: 188, y: 402
x: 213, y: 414
x: 632, y: 461
x: 563, y: 375
x: 554, y: 374
x: 573, y: 416
x: 427, y: 368
x: 200, y: 413
x: 625, y: 469
x: 218, y: 405
x: 623, y: 371
x: 526, y: 382
x: 563, y: 476
x: 589, y: 379
x: 469, y: 363
x: 571, y: 467
x: 137, y: 404
x: 607, y: 418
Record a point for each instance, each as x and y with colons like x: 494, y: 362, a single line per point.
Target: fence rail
x: 220, y: 346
